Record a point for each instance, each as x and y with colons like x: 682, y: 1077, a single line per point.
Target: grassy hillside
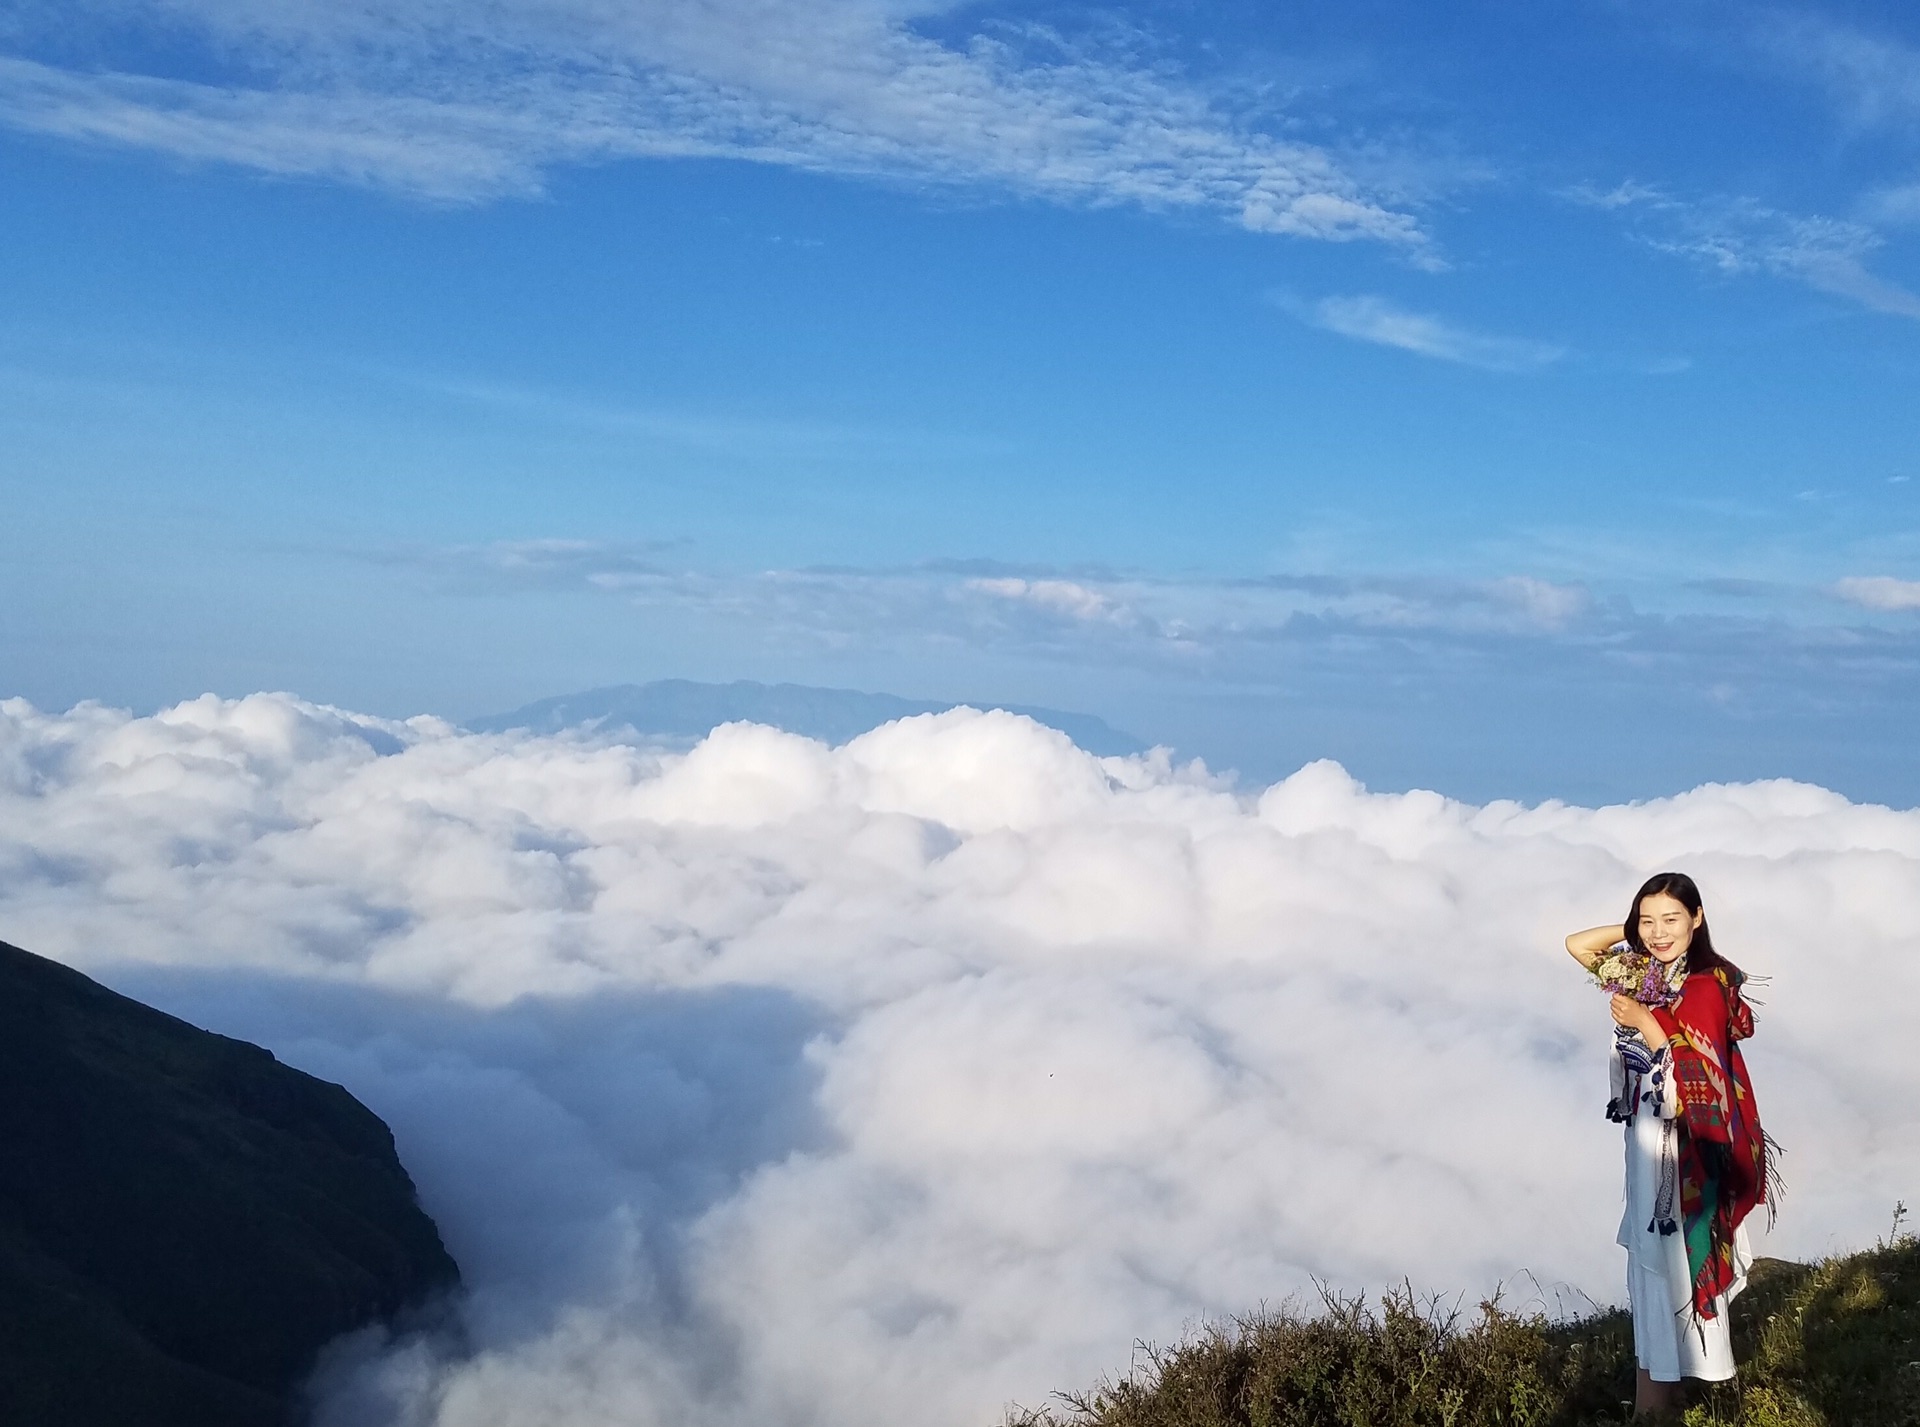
x: 1831, y: 1344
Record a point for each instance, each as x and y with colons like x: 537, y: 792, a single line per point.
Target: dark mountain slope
x: 184, y: 1221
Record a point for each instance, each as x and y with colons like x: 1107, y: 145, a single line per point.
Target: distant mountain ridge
x: 682, y: 708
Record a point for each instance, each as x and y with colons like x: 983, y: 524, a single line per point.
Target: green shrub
x: 1832, y: 1344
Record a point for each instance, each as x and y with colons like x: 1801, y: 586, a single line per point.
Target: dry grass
x: 1831, y: 1344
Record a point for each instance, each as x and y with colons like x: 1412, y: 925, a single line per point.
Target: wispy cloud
x: 459, y: 103
x: 506, y: 566
x: 1507, y: 605
x: 1087, y: 616
x: 1827, y: 254
x: 1740, y: 236
x: 1881, y: 592
x: 1237, y: 630
x: 1138, y: 617
x: 712, y: 430
x: 1895, y: 206
x: 1374, y: 319
x: 1847, y: 277
x: 1624, y: 194
x: 1872, y: 78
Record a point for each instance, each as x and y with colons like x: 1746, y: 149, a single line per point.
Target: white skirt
x: 1669, y: 1340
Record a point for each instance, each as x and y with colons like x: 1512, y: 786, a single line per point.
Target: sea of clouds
x: 775, y: 1083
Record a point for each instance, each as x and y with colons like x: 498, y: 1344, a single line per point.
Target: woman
x: 1697, y: 1159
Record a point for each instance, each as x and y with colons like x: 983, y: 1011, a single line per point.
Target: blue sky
x: 1514, y: 399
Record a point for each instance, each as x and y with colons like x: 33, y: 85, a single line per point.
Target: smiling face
x: 1666, y: 926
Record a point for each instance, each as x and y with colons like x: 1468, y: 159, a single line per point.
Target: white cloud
x: 1065, y: 597
x: 1547, y: 604
x: 455, y: 102
x: 1375, y: 319
x: 1879, y: 592
x: 775, y: 1084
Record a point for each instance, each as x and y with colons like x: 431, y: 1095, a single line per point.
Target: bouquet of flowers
x: 1626, y: 972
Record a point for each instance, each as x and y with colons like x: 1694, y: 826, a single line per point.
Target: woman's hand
x: 1629, y: 1012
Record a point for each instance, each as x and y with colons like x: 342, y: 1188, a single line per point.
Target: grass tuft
x: 1829, y: 1344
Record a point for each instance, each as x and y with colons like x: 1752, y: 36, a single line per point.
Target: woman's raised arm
x: 1590, y: 945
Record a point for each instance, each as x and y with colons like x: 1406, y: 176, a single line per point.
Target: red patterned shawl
x: 1724, y: 1154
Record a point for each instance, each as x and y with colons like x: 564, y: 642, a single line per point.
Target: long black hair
x: 1700, y: 953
